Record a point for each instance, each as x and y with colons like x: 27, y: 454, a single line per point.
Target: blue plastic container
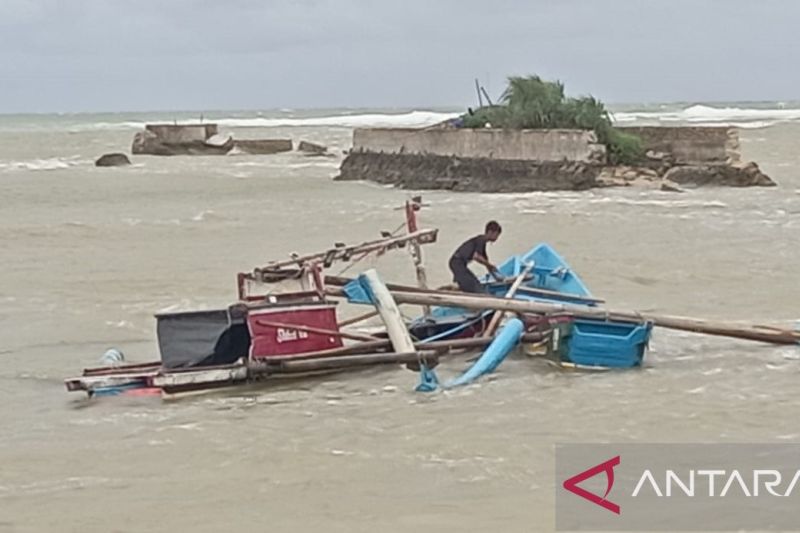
x: 606, y: 344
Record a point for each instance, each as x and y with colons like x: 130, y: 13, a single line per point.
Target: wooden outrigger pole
x: 768, y: 334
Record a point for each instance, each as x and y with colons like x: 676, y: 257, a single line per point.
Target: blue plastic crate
x: 607, y: 343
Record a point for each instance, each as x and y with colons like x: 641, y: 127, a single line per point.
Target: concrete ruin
x: 180, y: 139
x: 517, y: 145
x: 263, y: 146
x: 496, y: 160
x: 201, y: 139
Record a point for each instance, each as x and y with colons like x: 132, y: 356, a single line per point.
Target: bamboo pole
x: 340, y: 281
x: 424, y: 236
x: 357, y: 319
x: 695, y: 325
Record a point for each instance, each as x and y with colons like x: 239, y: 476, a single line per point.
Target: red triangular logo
x: 608, y: 467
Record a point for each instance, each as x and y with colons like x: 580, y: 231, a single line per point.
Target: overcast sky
x: 96, y: 55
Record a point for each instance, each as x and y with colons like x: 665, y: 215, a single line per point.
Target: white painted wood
x: 390, y: 313
x: 498, y: 315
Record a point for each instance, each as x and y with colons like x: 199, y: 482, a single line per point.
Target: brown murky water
x: 88, y: 255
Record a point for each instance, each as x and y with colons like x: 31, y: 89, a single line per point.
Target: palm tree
x: 530, y: 102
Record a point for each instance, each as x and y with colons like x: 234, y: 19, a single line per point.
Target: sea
x: 88, y: 255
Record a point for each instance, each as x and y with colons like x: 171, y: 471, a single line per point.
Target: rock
x: 670, y: 186
x: 655, y: 156
x: 312, y: 148
x: 736, y: 175
x: 610, y: 181
x: 627, y: 173
x: 608, y: 178
x: 112, y: 160
x: 619, y: 171
x: 630, y: 175
x: 644, y: 183
x: 645, y: 172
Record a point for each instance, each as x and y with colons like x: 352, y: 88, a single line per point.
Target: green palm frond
x: 529, y: 102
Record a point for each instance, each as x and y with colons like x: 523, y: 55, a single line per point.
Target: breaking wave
x: 409, y: 120
x: 743, y: 117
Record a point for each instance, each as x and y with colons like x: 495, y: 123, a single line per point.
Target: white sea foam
x: 126, y: 125
x: 121, y: 324
x: 205, y: 215
x: 714, y: 204
x: 53, y: 163
x: 409, y: 120
x: 742, y: 117
x: 242, y: 175
x: 708, y: 115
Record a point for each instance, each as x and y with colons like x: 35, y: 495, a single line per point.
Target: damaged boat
x: 268, y: 334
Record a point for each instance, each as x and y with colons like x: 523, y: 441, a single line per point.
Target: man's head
x: 492, y: 231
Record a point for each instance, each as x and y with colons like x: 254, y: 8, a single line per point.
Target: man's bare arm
x: 488, y: 264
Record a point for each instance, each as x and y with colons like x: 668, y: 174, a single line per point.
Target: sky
x: 142, y: 55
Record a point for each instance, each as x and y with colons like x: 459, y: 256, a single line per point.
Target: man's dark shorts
x: 463, y: 276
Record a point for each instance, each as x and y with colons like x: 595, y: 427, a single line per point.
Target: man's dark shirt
x: 467, y: 250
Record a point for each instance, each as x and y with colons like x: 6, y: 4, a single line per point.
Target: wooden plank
x: 90, y: 383
x: 201, y: 376
x: 134, y: 368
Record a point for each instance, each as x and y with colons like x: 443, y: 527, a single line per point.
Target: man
x: 474, y: 249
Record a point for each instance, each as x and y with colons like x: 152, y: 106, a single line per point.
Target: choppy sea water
x: 89, y: 254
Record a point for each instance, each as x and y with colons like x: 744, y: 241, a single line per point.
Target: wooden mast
x: 412, y: 206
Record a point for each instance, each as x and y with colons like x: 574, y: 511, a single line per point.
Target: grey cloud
x: 135, y: 55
